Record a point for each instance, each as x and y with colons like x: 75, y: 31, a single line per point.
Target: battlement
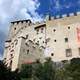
x: 48, y: 17
x: 22, y: 21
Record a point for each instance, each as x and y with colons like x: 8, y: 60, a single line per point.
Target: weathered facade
x: 58, y: 38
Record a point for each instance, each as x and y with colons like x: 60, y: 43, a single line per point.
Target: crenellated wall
x: 62, y: 16
x: 50, y: 38
x: 18, y: 26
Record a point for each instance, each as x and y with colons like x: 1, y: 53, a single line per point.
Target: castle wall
x: 58, y: 38
x: 29, y: 53
x: 58, y: 30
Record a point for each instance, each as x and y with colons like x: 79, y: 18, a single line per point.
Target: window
x: 23, y: 50
x: 37, y: 42
x: 37, y: 31
x: 79, y: 50
x: 25, y: 26
x: 55, y: 40
x: 54, y: 30
x: 52, y: 54
x: 68, y: 15
x: 66, y: 39
x: 11, y: 64
x: 40, y: 38
x: 27, y: 51
x: 47, y: 40
x: 68, y: 52
x: 27, y: 36
x: 14, y: 28
x: 42, y: 30
x: 69, y: 27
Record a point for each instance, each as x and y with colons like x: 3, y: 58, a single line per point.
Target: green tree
x: 45, y: 71
x: 74, y: 69
x: 26, y: 71
x: 7, y: 74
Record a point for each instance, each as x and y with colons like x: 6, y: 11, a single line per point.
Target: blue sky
x: 35, y: 10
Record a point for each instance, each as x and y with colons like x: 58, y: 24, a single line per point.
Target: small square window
x: 11, y: 64
x: 68, y: 52
x: 55, y: 40
x: 66, y: 39
x: 37, y: 31
x: 47, y: 40
x: 11, y: 55
x: 27, y: 36
x: 40, y: 38
x: 23, y: 50
x: 42, y: 30
x: 69, y: 27
x: 14, y: 28
x: 33, y: 39
x: 27, y: 51
x: 54, y: 30
x: 52, y: 54
x: 75, y: 14
x: 37, y: 42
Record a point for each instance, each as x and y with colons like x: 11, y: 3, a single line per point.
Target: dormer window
x: 11, y: 55
x: 27, y: 36
x: 55, y: 40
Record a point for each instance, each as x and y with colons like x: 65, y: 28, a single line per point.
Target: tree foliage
x: 7, y: 74
x: 69, y: 70
x: 73, y: 69
x: 40, y: 71
x: 26, y: 71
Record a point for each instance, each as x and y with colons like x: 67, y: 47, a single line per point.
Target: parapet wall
x: 22, y: 21
x: 62, y: 16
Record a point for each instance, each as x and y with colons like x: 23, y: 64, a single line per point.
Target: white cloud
x: 11, y: 10
x: 18, y: 9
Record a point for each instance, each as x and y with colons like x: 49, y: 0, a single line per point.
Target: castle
x: 56, y: 37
